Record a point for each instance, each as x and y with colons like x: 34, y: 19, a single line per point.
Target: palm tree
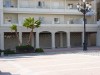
x: 31, y: 23
x: 14, y: 28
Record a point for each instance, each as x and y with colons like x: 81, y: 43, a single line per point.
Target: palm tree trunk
x: 19, y: 43
x: 30, y: 37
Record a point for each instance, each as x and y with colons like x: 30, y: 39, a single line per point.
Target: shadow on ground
x: 7, y: 73
x: 54, y: 52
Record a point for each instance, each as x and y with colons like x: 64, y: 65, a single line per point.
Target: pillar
x: 1, y: 4
x: 2, y: 41
x: 18, y: 5
x: 37, y: 40
x: 50, y: 4
x: 53, y: 40
x: 98, y: 37
x: 20, y: 37
x: 61, y: 39
x: 68, y: 39
x: 33, y: 44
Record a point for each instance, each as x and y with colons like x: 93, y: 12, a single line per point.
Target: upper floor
x: 46, y: 6
x: 51, y: 12
x: 46, y: 19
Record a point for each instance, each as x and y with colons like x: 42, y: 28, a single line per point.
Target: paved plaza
x: 72, y: 61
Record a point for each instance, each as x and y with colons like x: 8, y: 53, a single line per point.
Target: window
x: 56, y: 20
x: 41, y: 4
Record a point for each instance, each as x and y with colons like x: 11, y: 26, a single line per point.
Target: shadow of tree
x: 7, y: 73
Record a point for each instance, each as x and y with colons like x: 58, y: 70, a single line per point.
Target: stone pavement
x: 72, y: 61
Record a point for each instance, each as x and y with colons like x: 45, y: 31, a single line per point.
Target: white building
x: 62, y: 24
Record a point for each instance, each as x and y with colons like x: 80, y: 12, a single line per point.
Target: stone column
x: 20, y: 37
x: 1, y: 4
x: 1, y: 18
x: 98, y: 37
x: 68, y: 40
x: 61, y: 39
x: 33, y: 44
x: 50, y: 4
x: 53, y: 40
x: 37, y: 40
x: 65, y: 4
x: 18, y: 5
x: 2, y: 41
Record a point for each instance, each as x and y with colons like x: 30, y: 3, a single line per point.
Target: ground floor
x: 46, y: 39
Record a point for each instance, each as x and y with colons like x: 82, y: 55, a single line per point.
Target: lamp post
x: 84, y: 8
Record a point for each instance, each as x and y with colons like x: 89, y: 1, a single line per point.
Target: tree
x: 31, y: 23
x: 14, y: 28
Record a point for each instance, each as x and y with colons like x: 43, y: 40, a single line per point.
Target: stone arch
x: 10, y: 40
x: 60, y: 39
x: 76, y: 39
x: 45, y: 39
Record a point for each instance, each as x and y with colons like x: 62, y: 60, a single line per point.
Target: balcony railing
x: 50, y: 23
x: 39, y: 7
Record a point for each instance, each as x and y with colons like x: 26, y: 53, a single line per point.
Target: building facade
x: 61, y: 23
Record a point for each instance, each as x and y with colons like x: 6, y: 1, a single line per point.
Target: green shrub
x: 38, y: 50
x: 24, y: 49
x: 8, y: 51
x: 0, y: 52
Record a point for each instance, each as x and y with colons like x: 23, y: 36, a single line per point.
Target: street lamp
x: 84, y: 8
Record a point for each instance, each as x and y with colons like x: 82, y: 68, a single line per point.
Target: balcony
x: 44, y: 7
x: 10, y: 19
x: 50, y: 23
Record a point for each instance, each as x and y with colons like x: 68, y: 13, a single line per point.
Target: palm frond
x: 13, y: 27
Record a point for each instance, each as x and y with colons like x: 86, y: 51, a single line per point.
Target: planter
x: 24, y: 49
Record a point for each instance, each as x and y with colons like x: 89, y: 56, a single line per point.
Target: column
x: 20, y: 37
x: 65, y: 4
x: 98, y: 37
x: 53, y: 40
x: 36, y: 4
x: 33, y: 40
x: 1, y: 4
x: 61, y: 39
x: 68, y: 39
x: 2, y: 40
x: 1, y: 18
x: 94, y: 5
x: 18, y: 5
x: 37, y: 40
x: 50, y: 4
